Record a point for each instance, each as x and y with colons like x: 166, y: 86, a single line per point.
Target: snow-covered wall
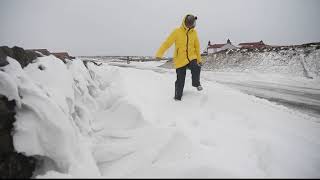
x: 54, y: 104
x: 297, y: 61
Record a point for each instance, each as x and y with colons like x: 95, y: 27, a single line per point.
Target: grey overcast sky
x: 138, y: 27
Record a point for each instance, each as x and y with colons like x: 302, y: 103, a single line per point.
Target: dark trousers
x: 181, y: 76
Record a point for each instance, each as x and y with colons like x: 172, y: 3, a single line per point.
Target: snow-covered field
x: 110, y: 121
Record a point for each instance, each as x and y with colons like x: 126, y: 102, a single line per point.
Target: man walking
x: 186, y: 54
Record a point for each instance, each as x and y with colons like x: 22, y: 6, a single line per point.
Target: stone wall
x: 24, y: 57
x: 12, y: 163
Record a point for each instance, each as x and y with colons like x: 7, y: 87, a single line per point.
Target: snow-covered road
x: 302, y: 100
x: 297, y: 93
x: 300, y: 94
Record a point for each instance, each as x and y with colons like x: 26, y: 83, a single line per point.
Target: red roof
x: 61, y: 53
x: 252, y: 43
x: 214, y: 46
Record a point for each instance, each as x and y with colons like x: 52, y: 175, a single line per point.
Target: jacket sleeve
x: 197, y: 47
x: 166, y: 44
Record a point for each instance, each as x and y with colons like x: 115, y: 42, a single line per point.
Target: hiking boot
x: 177, y: 99
x: 199, y: 88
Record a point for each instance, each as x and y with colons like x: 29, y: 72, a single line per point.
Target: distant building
x: 62, y: 55
x: 259, y: 44
x: 213, y: 48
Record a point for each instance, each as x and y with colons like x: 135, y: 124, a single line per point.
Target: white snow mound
x: 106, y: 121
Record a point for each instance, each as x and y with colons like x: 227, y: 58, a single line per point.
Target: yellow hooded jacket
x: 187, y: 46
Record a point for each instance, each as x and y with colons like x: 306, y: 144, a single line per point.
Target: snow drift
x: 105, y: 121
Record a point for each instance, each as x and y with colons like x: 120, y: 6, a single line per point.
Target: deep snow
x: 107, y: 121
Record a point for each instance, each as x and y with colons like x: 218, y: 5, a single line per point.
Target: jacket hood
x: 183, y: 25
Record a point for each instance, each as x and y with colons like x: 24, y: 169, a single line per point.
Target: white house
x: 213, y: 48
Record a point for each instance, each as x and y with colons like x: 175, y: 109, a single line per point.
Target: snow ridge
x: 289, y: 61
